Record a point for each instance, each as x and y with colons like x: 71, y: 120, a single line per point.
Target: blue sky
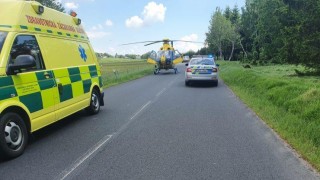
x: 110, y: 23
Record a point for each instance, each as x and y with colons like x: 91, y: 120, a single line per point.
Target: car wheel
x: 13, y: 135
x: 215, y: 83
x: 94, y: 106
x: 187, y: 83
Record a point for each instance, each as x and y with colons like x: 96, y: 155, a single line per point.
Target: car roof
x: 202, y: 56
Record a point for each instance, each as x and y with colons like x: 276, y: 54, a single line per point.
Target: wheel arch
x: 24, y: 115
x: 96, y: 87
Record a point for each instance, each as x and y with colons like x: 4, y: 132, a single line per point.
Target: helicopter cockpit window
x: 3, y: 36
x: 176, y: 54
x: 161, y: 53
x: 168, y: 54
x: 153, y: 55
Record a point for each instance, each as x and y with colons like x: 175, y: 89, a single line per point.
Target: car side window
x: 27, y: 45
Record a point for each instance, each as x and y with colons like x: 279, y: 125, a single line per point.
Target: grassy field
x: 116, y: 71
x: 286, y: 102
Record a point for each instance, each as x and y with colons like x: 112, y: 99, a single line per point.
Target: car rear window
x: 3, y: 36
x: 202, y: 62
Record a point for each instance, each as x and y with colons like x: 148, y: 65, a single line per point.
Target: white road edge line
x: 159, y: 93
x: 173, y: 81
x: 102, y: 142
x: 140, y: 110
x: 87, y: 155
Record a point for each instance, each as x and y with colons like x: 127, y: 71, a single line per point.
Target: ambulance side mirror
x: 21, y: 62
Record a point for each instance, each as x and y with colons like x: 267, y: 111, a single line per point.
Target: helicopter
x: 167, y: 57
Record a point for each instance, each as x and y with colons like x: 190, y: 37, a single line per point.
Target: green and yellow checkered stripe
x: 33, y: 89
x: 45, y: 31
x: 76, y: 81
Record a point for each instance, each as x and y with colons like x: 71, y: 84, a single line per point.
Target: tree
x: 248, y: 29
x: 302, y: 33
x: 54, y: 4
x: 204, y: 51
x: 235, y: 15
x: 228, y: 13
x: 270, y: 37
x: 223, y: 32
x: 190, y: 53
x: 232, y: 36
x: 217, y: 31
x: 146, y: 55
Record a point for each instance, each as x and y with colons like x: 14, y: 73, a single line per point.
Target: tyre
x: 187, y: 83
x: 156, y: 71
x: 13, y: 135
x: 215, y: 83
x: 94, y: 106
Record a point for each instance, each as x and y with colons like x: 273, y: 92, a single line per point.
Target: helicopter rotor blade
x: 154, y: 42
x: 186, y: 41
x: 137, y: 42
x: 159, y: 41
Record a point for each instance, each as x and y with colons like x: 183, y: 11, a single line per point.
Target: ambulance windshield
x: 3, y: 36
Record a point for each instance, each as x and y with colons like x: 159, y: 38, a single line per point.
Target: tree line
x: 277, y: 31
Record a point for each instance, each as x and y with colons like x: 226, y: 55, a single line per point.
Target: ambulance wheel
x: 94, y: 106
x: 13, y: 135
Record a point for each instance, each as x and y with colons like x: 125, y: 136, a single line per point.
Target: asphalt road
x: 156, y: 128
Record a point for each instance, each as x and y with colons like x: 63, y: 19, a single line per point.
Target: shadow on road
x: 202, y: 85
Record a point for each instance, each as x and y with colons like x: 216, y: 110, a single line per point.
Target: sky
x: 110, y: 23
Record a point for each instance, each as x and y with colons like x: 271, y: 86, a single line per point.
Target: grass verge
x: 287, y: 103
x: 117, y: 71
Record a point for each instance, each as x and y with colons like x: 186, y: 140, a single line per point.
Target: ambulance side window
x: 27, y: 45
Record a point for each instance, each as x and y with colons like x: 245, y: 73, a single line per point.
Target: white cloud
x: 186, y: 46
x: 71, y: 5
x: 97, y: 27
x: 152, y: 13
x: 97, y: 34
x: 111, y: 50
x: 109, y: 22
x: 97, y: 31
x: 134, y: 22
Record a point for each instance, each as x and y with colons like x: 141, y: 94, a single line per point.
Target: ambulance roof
x: 21, y: 16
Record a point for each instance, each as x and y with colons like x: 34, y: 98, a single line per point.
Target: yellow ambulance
x: 48, y: 70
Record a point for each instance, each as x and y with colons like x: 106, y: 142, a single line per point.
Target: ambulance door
x: 35, y: 86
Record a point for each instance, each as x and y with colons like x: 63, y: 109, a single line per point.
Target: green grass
x: 287, y: 103
x: 116, y: 71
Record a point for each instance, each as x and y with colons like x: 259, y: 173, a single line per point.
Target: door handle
x: 47, y: 75
x: 60, y: 88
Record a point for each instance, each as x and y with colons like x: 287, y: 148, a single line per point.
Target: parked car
x: 202, y: 69
x: 186, y: 59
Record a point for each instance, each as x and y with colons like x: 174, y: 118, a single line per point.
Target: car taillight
x: 189, y: 70
x: 214, y: 69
